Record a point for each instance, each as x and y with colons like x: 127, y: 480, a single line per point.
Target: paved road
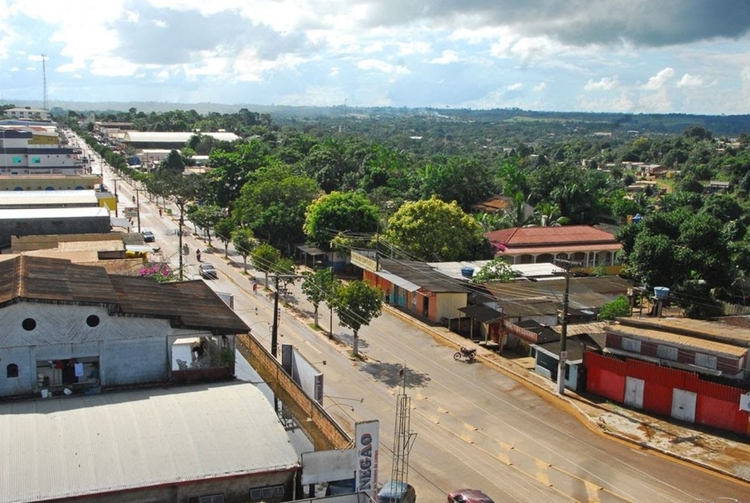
x: 475, y: 426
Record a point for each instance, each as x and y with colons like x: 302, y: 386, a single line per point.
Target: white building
x: 35, y: 150
x: 28, y: 113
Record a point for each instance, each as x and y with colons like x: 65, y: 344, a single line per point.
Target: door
x: 634, y: 392
x: 683, y: 405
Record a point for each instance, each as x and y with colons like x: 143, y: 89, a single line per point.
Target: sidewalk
x: 717, y: 453
x: 711, y: 451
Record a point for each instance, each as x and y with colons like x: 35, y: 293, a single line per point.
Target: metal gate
x: 683, y: 405
x: 634, y: 392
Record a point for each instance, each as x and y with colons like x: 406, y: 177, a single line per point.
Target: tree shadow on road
x: 390, y: 374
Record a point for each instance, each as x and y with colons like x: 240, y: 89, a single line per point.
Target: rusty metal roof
x: 190, y: 304
x: 685, y: 341
x: 712, y: 330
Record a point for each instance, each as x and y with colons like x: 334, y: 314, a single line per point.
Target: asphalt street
x: 475, y: 426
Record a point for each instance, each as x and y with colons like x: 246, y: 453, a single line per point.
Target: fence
x: 325, y: 433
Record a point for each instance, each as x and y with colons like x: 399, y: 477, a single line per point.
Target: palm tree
x: 547, y: 214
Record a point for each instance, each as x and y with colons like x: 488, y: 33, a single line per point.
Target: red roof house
x: 584, y: 244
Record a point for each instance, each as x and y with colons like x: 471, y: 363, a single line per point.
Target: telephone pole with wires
x: 561, y: 364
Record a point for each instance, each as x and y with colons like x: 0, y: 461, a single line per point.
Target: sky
x: 632, y: 56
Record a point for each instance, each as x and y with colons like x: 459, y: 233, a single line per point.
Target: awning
x: 398, y: 281
x: 482, y: 314
x: 310, y: 250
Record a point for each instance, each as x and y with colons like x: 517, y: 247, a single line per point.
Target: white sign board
x: 367, y: 447
x: 325, y: 466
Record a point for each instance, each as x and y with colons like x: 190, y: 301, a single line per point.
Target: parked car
x: 148, y: 236
x: 207, y: 271
x: 395, y: 491
x: 468, y: 496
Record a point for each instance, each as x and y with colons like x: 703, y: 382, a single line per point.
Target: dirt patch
x: 647, y: 430
x: 738, y: 454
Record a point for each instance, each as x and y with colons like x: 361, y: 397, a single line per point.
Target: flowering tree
x: 160, y: 271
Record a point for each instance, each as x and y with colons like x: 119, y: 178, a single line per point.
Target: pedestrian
x: 255, y: 286
x: 198, y: 254
x: 159, y: 211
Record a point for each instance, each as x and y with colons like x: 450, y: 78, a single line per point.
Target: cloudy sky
x: 650, y: 56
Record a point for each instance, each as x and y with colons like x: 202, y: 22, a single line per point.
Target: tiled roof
x: 566, y: 235
x: 189, y: 304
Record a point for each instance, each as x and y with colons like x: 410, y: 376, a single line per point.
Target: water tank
x: 661, y: 292
x: 467, y: 272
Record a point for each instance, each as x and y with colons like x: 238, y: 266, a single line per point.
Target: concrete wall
x: 130, y: 350
x: 448, y: 304
x: 234, y: 489
x: 52, y: 225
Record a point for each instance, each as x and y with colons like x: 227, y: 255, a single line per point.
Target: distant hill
x: 719, y: 125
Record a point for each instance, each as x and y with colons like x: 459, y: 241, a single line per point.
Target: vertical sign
x: 367, y: 446
x: 318, y: 378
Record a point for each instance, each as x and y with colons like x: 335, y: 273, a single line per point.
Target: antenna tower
x: 44, y: 76
x: 403, y: 438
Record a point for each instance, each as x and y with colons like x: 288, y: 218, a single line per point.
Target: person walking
x: 198, y: 254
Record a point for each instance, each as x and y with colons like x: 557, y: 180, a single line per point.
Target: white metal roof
x: 398, y: 281
x: 32, y: 197
x: 65, y: 447
x: 171, y: 137
x: 540, y: 270
x: 57, y: 213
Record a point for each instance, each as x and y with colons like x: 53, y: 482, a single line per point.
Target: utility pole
x: 275, y: 326
x: 561, y: 364
x: 138, y: 208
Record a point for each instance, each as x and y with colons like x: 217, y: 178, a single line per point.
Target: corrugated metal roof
x: 398, y: 281
x: 684, y: 341
x: 585, y: 293
x: 188, y: 304
x: 422, y: 275
x: 34, y: 197
x: 58, y: 213
x: 172, y: 137
x: 81, y: 445
x: 721, y: 332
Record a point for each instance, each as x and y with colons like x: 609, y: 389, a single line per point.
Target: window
x: 11, y: 370
x: 631, y: 345
x: 35, y: 160
x: 666, y: 352
x: 212, y: 498
x: 29, y: 324
x: 707, y: 361
x: 262, y: 493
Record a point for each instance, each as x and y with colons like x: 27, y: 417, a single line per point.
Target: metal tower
x: 44, y: 76
x: 403, y: 437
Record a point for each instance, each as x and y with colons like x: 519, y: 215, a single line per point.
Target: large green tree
x: 273, y: 204
x: 433, y: 230
x: 357, y: 304
x: 265, y: 257
x: 318, y: 286
x: 339, y: 212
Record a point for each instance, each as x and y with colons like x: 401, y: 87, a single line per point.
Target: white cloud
x: 660, y: 79
x: 514, y: 87
x: 446, y: 58
x: 381, y: 66
x: 688, y: 80
x: 604, y: 84
x: 540, y: 87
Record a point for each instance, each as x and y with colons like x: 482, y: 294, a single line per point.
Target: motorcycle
x: 467, y: 353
